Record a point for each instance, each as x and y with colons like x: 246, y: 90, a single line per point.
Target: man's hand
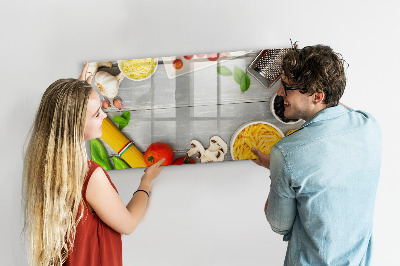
x: 263, y: 159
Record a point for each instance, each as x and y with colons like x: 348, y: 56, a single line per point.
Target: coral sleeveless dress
x: 95, y: 242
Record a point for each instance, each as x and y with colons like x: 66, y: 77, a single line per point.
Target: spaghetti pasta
x: 258, y: 135
x: 120, y: 144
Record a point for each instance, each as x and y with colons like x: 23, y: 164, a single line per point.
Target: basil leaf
x: 245, y: 83
x: 122, y: 122
x: 126, y: 115
x: 122, y: 125
x: 238, y: 75
x: 224, y: 71
x: 119, y: 120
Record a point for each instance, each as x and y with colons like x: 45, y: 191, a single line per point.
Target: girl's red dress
x: 95, y: 242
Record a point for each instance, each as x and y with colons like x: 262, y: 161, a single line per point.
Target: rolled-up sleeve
x: 281, y: 210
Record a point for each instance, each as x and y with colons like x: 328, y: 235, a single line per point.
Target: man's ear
x: 318, y: 97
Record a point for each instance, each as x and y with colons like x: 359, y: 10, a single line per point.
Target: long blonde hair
x: 55, y: 167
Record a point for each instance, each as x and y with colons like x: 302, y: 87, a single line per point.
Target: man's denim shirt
x: 323, y: 183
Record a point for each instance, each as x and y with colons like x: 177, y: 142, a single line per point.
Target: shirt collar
x: 326, y: 114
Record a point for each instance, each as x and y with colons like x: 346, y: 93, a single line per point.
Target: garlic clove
x: 118, y: 103
x: 105, y: 104
x: 107, y: 84
x: 93, y: 66
x: 120, y: 77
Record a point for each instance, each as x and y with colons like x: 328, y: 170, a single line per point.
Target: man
x: 323, y: 176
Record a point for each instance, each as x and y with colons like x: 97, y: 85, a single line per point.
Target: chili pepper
x: 99, y: 154
x: 119, y: 163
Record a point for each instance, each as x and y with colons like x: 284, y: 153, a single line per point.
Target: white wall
x: 204, y: 214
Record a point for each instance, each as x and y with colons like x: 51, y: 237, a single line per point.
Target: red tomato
x: 177, y: 64
x: 183, y: 160
x: 156, y: 151
x: 188, y: 57
x: 200, y: 55
x: 212, y: 57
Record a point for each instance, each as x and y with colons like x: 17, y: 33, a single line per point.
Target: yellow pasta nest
x: 262, y: 136
x: 138, y: 69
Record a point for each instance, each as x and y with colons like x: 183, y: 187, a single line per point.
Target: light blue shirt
x: 323, y: 183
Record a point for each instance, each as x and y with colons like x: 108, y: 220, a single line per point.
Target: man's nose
x: 281, y: 91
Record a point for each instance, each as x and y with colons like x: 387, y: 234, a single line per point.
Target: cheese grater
x: 267, y: 66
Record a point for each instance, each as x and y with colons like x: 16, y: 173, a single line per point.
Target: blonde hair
x: 55, y: 167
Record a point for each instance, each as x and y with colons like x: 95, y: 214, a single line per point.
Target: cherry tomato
x: 188, y: 57
x: 183, y: 160
x: 212, y: 57
x: 177, y: 64
x: 200, y: 55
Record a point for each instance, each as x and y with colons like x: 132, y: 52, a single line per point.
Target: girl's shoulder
x: 93, y: 166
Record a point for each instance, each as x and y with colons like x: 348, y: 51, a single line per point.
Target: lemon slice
x: 291, y: 131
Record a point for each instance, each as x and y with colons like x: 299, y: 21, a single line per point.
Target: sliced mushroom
x: 197, y: 147
x: 215, y: 153
x: 217, y: 143
x: 212, y: 156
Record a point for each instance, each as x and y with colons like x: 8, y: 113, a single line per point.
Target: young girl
x: 73, y: 213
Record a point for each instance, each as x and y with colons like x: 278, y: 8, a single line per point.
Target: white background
x: 203, y: 214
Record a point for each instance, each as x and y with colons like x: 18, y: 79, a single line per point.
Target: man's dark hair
x: 316, y: 69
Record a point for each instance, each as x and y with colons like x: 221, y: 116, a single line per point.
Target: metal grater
x: 266, y: 67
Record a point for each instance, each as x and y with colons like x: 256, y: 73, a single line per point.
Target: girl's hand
x: 153, y: 171
x: 83, y: 74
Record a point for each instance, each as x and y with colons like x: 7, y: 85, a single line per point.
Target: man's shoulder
x: 361, y: 123
x: 293, y: 142
x: 365, y: 116
x: 350, y: 124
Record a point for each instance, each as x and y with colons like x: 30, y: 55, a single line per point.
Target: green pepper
x: 99, y: 154
x: 119, y: 163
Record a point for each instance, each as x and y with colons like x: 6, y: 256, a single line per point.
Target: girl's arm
x: 108, y: 205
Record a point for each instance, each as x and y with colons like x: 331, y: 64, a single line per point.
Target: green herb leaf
x: 99, y: 154
x: 245, y: 83
x: 126, y: 115
x: 122, y: 122
x: 224, y: 71
x: 122, y: 125
x: 238, y: 75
